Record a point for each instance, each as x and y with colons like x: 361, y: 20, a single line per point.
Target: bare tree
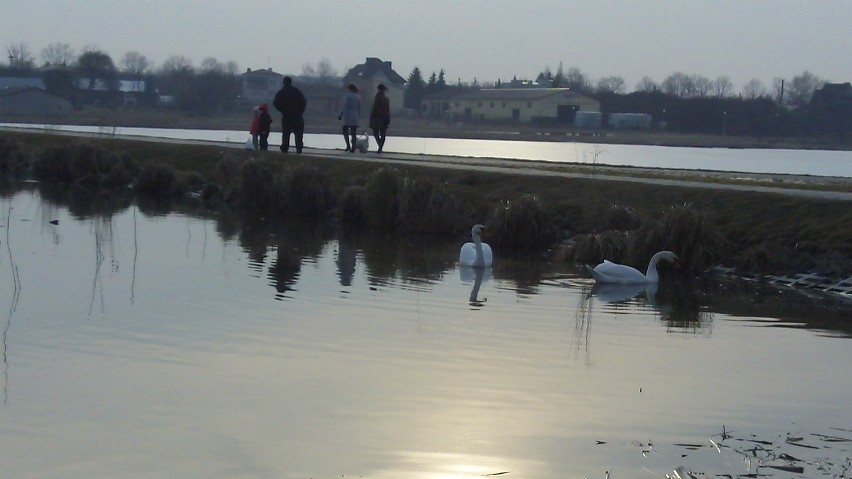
x: 678, y: 84
x: 176, y: 63
x: 802, y: 88
x: 58, y: 54
x: 308, y: 70
x: 754, y: 89
x: 611, y: 84
x: 647, y: 85
x: 231, y: 67
x: 722, y: 86
x: 20, y: 56
x: 778, y: 90
x: 577, y: 80
x: 211, y: 65
x: 324, y: 70
x: 701, y: 85
x: 135, y: 63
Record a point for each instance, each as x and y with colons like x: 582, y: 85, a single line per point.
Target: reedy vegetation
x: 532, y: 217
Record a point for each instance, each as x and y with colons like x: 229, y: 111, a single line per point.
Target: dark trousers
x: 350, y: 131
x: 380, y: 134
x: 263, y: 137
x: 296, y: 126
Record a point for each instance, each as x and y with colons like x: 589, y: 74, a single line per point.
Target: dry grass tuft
x: 427, y: 207
x: 683, y: 229
x: 523, y: 224
x: 381, y: 199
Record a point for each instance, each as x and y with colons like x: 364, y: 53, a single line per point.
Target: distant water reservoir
x: 771, y: 161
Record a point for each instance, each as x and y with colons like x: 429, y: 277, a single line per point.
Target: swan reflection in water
x: 477, y: 275
x: 677, y: 303
x: 622, y: 293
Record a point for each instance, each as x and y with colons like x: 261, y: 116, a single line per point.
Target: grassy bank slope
x: 565, y: 218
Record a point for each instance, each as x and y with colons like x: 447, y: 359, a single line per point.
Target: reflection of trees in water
x: 414, y: 260
x: 102, y: 230
x: 13, y: 304
x: 583, y: 326
x: 84, y: 203
x: 681, y: 308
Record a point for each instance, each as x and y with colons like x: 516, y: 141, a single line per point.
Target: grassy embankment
x: 571, y: 219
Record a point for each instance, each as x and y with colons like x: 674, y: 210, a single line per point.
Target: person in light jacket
x: 380, y: 117
x: 350, y: 114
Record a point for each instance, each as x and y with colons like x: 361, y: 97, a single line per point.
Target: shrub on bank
x: 523, y: 223
x: 684, y: 230
x: 381, y: 197
x: 303, y: 190
x: 427, y: 207
x: 155, y: 179
x: 14, y: 160
x: 255, y: 185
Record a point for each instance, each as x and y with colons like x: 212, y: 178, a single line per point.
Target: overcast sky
x: 469, y: 39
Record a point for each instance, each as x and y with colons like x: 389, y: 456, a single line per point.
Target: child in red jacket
x: 261, y: 124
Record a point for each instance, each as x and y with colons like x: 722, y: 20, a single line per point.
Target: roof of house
x: 518, y: 94
x: 370, y: 68
x: 261, y: 72
x: 9, y: 92
x: 19, y: 82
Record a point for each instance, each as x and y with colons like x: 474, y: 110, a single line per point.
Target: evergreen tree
x: 431, y: 85
x: 441, y: 84
x: 414, y: 92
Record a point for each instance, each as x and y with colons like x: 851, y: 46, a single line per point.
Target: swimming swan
x: 608, y: 272
x: 476, y: 253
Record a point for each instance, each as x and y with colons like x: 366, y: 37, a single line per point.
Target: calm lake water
x: 752, y: 160
x: 146, y: 344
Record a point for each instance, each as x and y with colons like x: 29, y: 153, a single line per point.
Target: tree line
x: 688, y: 103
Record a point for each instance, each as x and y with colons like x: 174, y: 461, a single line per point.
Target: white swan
x: 476, y: 253
x: 608, y: 272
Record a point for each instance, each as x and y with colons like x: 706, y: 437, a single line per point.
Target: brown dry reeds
x: 303, y: 190
x: 427, y: 207
x: 684, y: 230
x: 155, y: 179
x: 381, y: 199
x: 523, y: 223
x: 14, y: 160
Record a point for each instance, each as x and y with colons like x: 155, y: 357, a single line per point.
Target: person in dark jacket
x: 264, y: 124
x: 291, y: 103
x: 380, y: 117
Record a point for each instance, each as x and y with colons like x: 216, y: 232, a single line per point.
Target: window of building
x: 479, y: 104
x: 529, y: 104
x: 504, y: 104
x: 492, y: 104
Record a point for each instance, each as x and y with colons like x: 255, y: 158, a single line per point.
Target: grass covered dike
x: 562, y: 219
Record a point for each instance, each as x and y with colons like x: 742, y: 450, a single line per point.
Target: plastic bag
x: 249, y: 145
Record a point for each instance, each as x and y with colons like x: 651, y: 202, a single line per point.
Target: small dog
x: 362, y: 144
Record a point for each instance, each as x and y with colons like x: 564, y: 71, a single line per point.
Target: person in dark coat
x: 380, y: 117
x: 264, y: 126
x: 291, y: 103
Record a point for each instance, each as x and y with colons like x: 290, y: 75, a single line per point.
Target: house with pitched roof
x: 521, y: 105
x: 367, y: 77
x: 259, y: 86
